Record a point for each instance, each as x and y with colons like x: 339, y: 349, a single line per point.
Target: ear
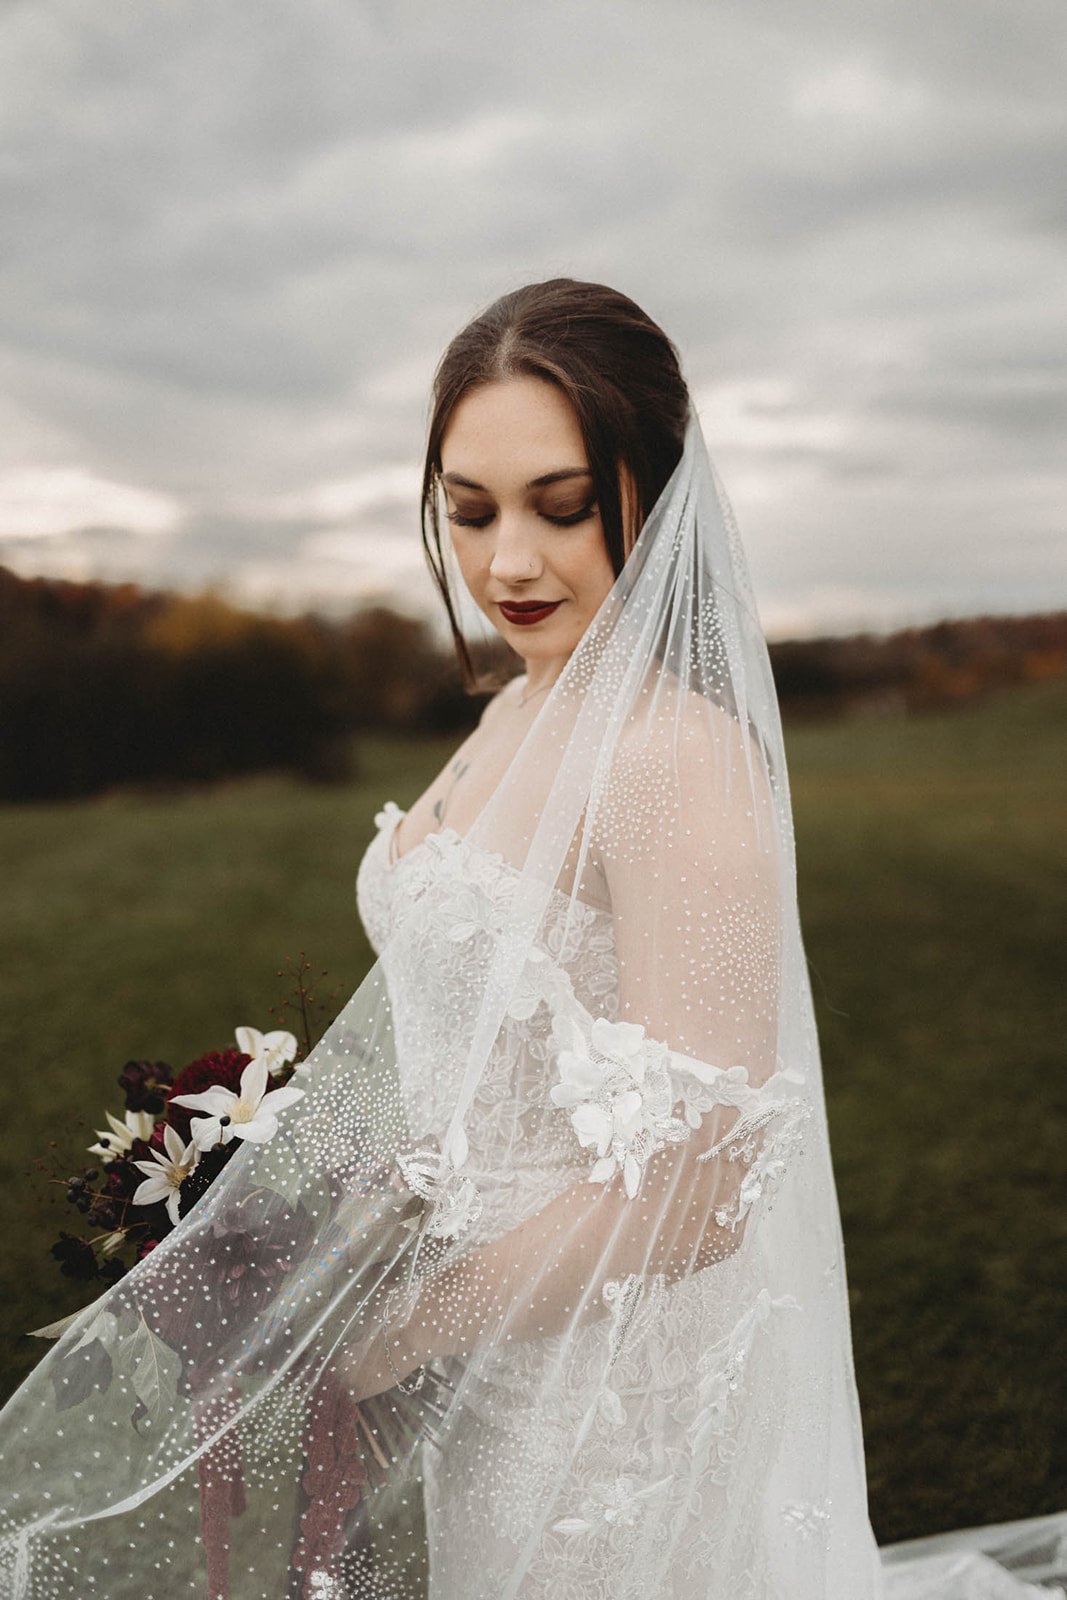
x: 631, y: 508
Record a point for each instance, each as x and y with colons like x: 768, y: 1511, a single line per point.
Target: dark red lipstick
x: 526, y: 612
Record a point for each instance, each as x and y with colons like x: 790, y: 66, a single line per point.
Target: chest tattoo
x: 440, y: 806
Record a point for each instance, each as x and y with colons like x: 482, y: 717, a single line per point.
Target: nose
x: 516, y: 555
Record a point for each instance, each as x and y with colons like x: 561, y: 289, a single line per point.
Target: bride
x: 538, y: 1288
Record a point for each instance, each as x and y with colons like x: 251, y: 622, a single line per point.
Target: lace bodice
x: 430, y: 916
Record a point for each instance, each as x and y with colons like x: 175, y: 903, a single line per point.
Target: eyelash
x: 570, y: 521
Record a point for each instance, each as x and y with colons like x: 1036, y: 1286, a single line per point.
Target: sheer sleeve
x: 689, y: 854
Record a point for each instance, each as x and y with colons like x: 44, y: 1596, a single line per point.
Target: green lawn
x: 931, y: 887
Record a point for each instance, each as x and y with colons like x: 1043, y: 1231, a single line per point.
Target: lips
x: 527, y: 612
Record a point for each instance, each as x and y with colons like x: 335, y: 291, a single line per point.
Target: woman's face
x: 525, y: 524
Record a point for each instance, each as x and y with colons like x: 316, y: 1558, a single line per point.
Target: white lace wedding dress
x: 635, y: 1513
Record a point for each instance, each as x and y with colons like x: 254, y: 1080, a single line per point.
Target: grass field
x: 931, y: 860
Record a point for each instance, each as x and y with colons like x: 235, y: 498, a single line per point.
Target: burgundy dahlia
x: 146, y: 1085
x: 122, y: 1177
x: 253, y: 1243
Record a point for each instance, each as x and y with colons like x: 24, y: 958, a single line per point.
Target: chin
x: 559, y: 643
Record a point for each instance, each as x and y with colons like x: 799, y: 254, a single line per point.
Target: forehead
x: 512, y: 432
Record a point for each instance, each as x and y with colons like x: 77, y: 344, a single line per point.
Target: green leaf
x: 155, y: 1375
x: 52, y: 1330
x: 78, y: 1375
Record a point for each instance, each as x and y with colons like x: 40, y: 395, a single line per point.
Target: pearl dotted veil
x: 562, y: 1161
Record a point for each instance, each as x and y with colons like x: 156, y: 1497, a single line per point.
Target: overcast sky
x: 238, y: 233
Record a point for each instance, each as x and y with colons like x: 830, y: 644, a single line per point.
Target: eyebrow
x: 559, y: 476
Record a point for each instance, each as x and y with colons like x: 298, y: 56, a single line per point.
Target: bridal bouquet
x: 175, y: 1136
x: 155, y: 1163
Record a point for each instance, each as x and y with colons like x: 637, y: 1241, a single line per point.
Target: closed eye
x: 570, y: 519
x: 469, y: 522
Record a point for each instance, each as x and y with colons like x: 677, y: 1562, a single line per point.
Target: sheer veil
x: 512, y: 1190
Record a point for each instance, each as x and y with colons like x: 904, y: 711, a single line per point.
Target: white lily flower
x: 119, y: 1137
x: 275, y: 1048
x: 251, y: 1114
x: 165, y: 1174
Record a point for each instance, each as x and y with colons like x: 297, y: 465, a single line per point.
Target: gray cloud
x: 238, y: 237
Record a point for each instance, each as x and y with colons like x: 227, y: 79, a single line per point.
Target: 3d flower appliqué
x: 385, y: 816
x: 616, y: 1086
x: 455, y: 1203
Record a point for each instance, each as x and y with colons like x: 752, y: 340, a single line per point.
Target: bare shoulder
x: 679, y: 728
x: 685, y: 767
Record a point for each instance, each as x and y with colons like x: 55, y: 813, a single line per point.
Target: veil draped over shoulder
x: 584, y: 1209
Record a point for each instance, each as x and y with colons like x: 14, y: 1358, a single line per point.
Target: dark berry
x: 75, y: 1257
x: 146, y: 1085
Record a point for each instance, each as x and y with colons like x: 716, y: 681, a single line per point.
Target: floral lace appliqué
x: 455, y: 1203
x: 618, y: 1502
x: 766, y: 1141
x: 807, y: 1518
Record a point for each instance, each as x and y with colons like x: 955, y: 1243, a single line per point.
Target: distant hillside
x: 104, y: 684
x: 918, y: 668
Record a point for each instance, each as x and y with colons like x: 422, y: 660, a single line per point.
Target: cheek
x: 591, y: 568
x: 470, y: 558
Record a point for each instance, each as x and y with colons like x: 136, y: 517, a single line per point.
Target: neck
x: 542, y: 674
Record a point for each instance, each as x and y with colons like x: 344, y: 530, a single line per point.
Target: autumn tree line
x: 109, y: 684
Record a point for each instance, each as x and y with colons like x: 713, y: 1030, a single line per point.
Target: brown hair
x: 617, y: 368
